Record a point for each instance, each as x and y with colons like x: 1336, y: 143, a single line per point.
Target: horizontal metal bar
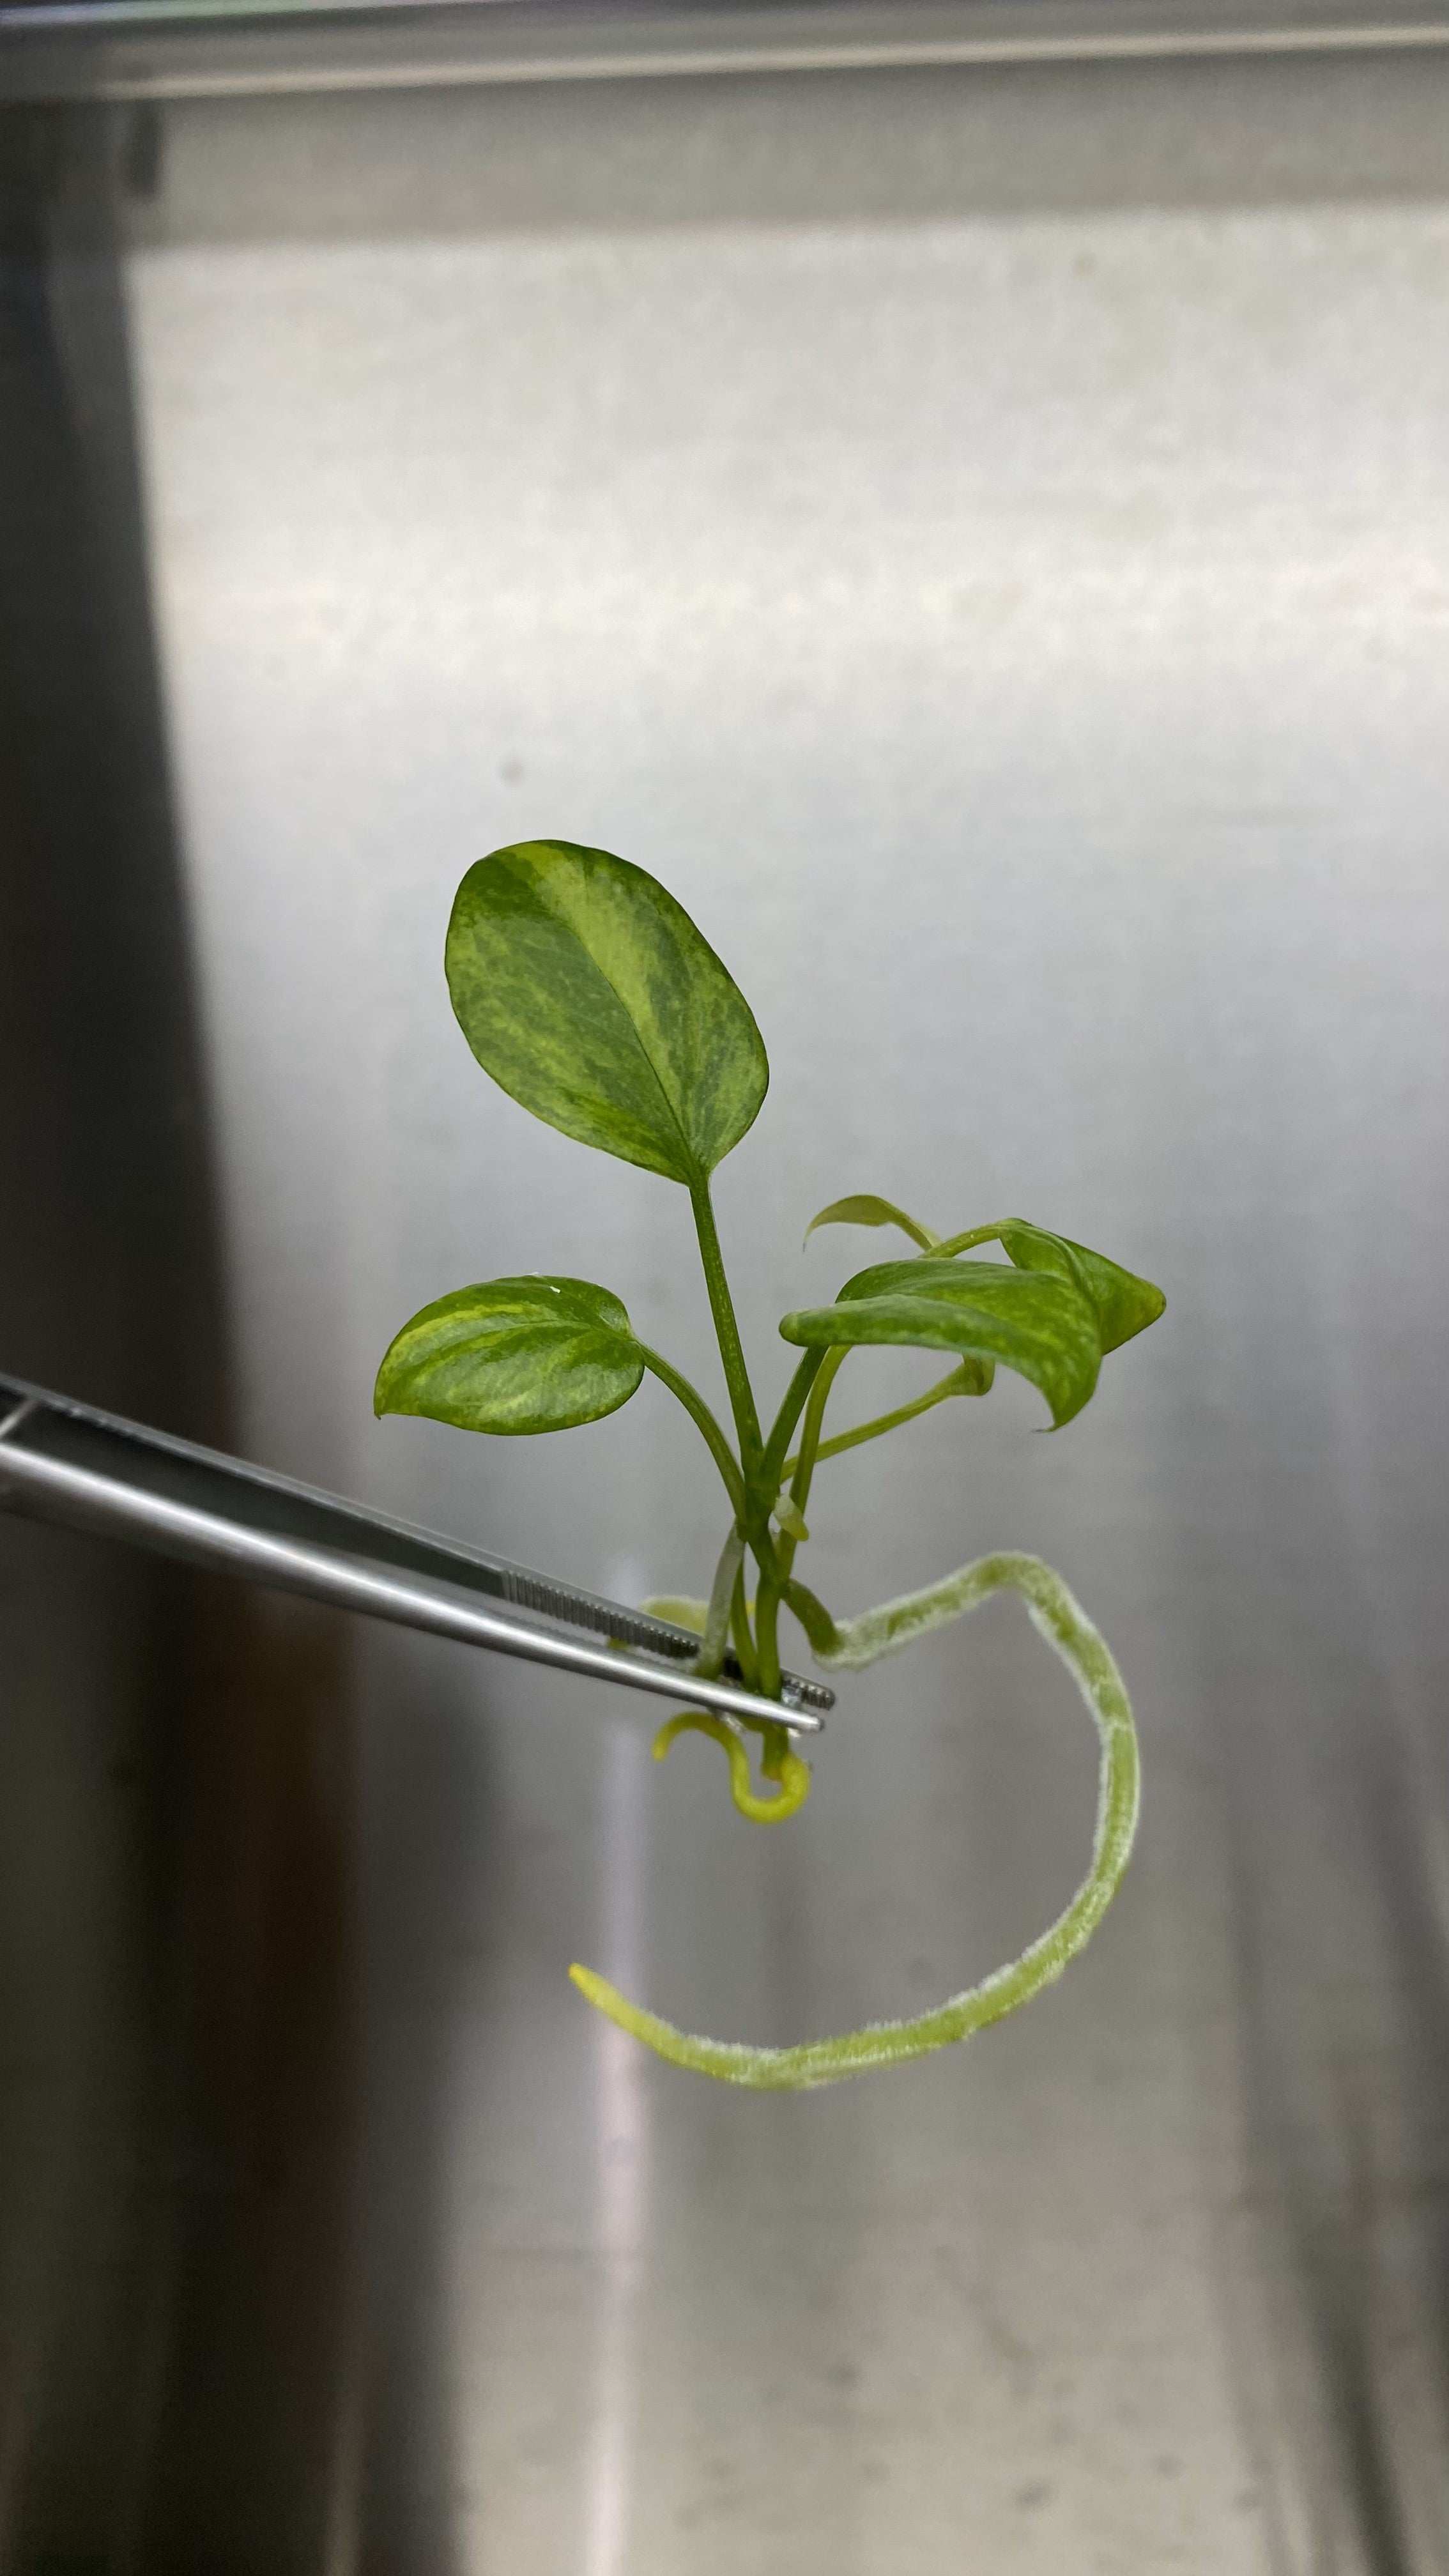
x: 88, y: 1496
x: 141, y: 51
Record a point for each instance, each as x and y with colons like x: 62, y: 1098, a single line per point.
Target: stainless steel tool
x: 68, y: 1462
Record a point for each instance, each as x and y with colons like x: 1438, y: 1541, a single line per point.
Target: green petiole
x: 741, y: 1636
x: 715, y: 1634
x: 836, y: 1447
x: 699, y: 1412
x: 727, y: 1331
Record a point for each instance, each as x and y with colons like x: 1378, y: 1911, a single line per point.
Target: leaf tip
x: 1070, y: 1411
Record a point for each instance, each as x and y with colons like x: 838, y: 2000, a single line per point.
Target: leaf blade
x: 1125, y: 1304
x: 513, y: 1356
x: 1035, y: 1322
x: 588, y: 994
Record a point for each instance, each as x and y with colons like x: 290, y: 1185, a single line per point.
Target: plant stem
x: 777, y: 1556
x: 744, y: 1643
x: 810, y: 1429
x: 796, y: 1393
x: 727, y: 1331
x: 882, y: 1422
x: 962, y: 1242
x: 767, y: 1643
x: 710, y: 1659
x: 694, y: 1404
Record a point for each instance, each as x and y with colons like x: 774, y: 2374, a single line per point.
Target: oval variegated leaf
x: 513, y: 1355
x: 1034, y: 1322
x: 589, y: 995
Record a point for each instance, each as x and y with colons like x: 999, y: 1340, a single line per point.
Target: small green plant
x: 586, y: 991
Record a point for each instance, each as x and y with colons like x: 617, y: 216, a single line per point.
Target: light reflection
x: 621, y: 2158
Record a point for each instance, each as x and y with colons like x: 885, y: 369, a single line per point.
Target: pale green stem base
x: 779, y: 1763
x: 854, y: 1643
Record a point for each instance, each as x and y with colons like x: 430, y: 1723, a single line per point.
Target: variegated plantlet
x: 589, y: 995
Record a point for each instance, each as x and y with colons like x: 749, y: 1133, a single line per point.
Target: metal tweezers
x: 67, y: 1462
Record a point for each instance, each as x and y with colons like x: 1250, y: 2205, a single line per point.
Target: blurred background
x: 961, y: 496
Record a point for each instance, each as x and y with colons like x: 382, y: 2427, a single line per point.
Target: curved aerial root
x: 848, y: 1646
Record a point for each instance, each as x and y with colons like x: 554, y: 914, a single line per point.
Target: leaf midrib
x: 605, y: 978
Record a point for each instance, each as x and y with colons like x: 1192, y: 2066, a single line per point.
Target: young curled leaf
x: 867, y: 1209
x: 589, y: 995
x: 1035, y: 1322
x: 513, y: 1355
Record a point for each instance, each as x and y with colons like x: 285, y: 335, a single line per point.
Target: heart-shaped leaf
x: 588, y: 994
x: 867, y: 1209
x: 1033, y: 1321
x: 513, y: 1355
x: 1123, y: 1303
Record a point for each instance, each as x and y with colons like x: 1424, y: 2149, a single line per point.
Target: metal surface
x: 71, y: 1463
x: 153, y: 49
x: 983, y: 538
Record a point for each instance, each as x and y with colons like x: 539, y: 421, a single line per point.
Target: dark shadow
x: 177, y: 2107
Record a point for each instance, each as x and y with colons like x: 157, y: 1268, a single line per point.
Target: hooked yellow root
x: 778, y: 1761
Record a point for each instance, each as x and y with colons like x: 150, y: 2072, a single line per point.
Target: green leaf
x: 588, y: 994
x: 1123, y: 1303
x: 513, y: 1355
x: 973, y: 1377
x: 1033, y: 1321
x: 867, y: 1209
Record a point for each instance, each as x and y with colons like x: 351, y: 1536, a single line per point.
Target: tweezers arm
x: 48, y: 1487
